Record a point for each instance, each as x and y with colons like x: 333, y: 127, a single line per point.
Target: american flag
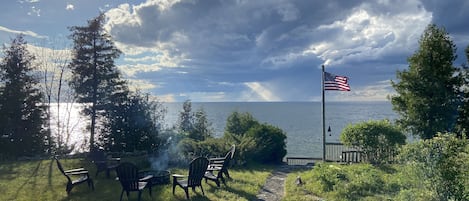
x: 335, y: 82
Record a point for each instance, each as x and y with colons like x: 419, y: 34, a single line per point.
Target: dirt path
x: 274, y: 187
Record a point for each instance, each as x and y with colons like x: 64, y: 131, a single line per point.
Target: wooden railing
x: 335, y: 152
x: 338, y: 152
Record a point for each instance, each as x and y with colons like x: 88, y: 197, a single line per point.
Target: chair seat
x: 80, y: 180
x: 210, y: 175
x: 79, y: 175
x: 183, y: 183
x: 142, y: 185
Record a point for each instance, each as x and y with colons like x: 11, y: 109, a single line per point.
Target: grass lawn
x: 42, y: 180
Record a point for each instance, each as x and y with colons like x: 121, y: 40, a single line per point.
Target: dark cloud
x: 280, y: 44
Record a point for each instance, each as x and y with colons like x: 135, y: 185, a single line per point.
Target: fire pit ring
x: 160, y: 177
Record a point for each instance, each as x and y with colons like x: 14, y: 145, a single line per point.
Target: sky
x: 247, y: 50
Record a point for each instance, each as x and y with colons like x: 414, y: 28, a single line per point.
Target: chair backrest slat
x: 197, y: 169
x: 128, y: 176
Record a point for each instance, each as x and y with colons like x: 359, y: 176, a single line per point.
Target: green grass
x: 41, y: 180
x: 332, y: 181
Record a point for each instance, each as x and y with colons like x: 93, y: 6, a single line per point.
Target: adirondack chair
x: 102, y: 162
x: 80, y: 175
x: 222, y: 163
x: 197, y: 168
x: 220, y: 170
x: 128, y: 176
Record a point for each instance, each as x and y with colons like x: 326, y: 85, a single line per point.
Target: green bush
x: 212, y: 147
x: 264, y: 143
x: 379, y: 140
x: 256, y: 142
x: 442, y: 164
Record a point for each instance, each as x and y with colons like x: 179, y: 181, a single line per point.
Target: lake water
x: 301, y: 121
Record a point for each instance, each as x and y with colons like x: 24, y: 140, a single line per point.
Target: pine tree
x: 95, y: 79
x: 426, y: 97
x: 22, y: 114
x: 463, y: 118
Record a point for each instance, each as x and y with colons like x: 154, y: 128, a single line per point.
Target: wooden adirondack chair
x: 80, y: 175
x: 128, y: 176
x: 102, y: 162
x: 222, y: 163
x: 197, y: 168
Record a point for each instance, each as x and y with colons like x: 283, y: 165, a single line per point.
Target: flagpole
x: 323, y: 118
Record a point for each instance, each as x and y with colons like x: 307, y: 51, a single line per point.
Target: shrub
x: 379, y: 140
x: 442, y: 164
x: 264, y: 143
x: 212, y: 147
x: 255, y: 142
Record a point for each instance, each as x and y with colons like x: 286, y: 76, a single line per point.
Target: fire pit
x: 160, y: 177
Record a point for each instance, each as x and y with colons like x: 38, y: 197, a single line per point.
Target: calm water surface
x: 301, y: 121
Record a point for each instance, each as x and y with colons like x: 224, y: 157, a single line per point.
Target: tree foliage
x: 463, y: 118
x: 22, y: 114
x: 95, y: 77
x: 256, y: 142
x: 426, y: 97
x: 132, y: 125
x: 264, y: 143
x: 237, y: 124
x: 379, y: 140
x: 442, y: 165
x: 194, y: 124
x: 186, y: 117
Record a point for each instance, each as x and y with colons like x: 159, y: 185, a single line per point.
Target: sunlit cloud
x: 131, y: 70
x: 70, y: 7
x: 141, y: 85
x: 26, y: 33
x: 366, y: 36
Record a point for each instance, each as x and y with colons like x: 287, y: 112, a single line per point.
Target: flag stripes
x: 335, y: 82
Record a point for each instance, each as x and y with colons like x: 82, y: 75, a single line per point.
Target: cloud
x: 378, y: 91
x: 35, y: 11
x: 70, y: 7
x: 131, y: 70
x: 269, y: 50
x: 27, y: 33
x: 367, y: 36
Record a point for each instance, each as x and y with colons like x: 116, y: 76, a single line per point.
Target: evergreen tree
x: 131, y: 125
x: 426, y: 97
x: 95, y: 78
x: 22, y: 114
x: 202, y: 127
x: 463, y: 118
x: 186, y: 118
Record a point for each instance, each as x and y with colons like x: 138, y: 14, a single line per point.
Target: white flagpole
x: 323, y: 117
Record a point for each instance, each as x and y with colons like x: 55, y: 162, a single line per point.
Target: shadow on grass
x: 28, y: 178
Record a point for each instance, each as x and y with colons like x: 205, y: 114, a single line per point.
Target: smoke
x: 169, y: 152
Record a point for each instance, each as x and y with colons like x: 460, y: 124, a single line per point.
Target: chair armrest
x: 75, y: 170
x: 148, y: 177
x: 77, y: 173
x: 217, y: 159
x: 178, y: 176
x: 213, y: 168
x: 115, y: 159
